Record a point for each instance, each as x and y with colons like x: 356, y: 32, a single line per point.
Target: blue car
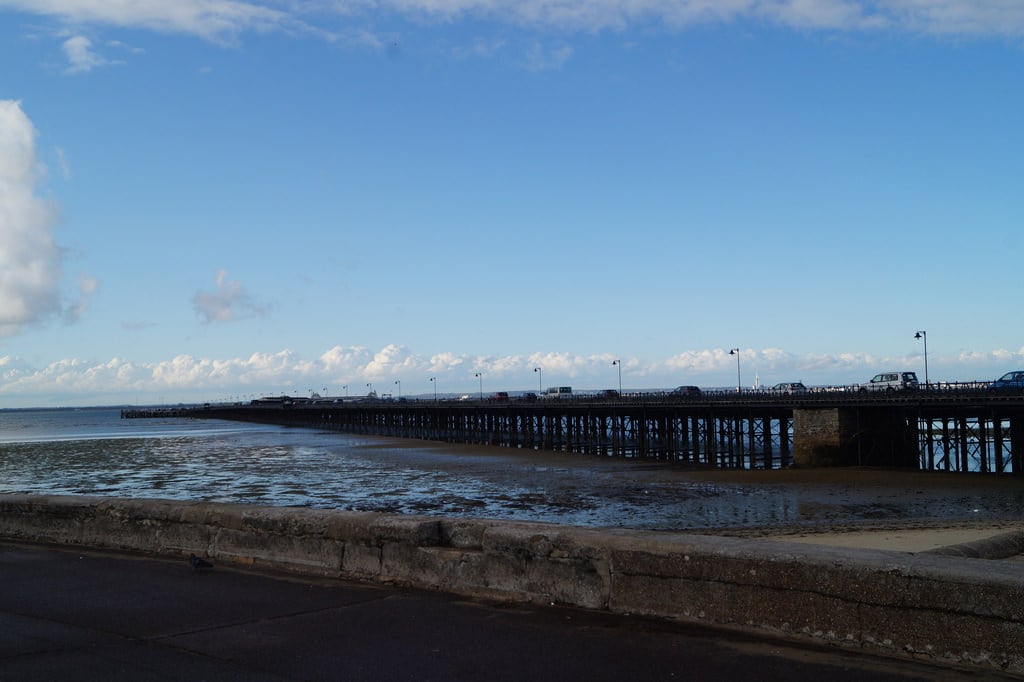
x: 1010, y: 380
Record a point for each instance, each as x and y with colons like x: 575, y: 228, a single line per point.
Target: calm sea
x: 95, y: 452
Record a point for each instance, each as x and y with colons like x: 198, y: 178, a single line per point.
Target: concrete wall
x: 924, y: 605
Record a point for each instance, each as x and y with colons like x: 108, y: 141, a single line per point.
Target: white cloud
x: 224, y: 21
x: 552, y: 363
x: 229, y: 301
x: 698, y: 361
x: 30, y: 261
x: 215, y: 20
x: 389, y: 361
x: 822, y: 14
x: 957, y: 17
x: 941, y: 17
x: 80, y: 55
x: 340, y: 361
x: 73, y: 381
x: 445, y: 362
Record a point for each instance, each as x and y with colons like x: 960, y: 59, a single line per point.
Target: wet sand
x: 910, y: 511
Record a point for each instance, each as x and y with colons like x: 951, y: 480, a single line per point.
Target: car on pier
x: 790, y: 388
x: 686, y: 391
x: 891, y: 381
x: 558, y: 393
x: 1011, y: 381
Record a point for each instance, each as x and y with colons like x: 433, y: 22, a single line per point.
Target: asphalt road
x: 77, y: 615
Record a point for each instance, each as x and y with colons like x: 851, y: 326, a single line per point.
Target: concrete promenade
x: 75, y: 614
x: 940, y: 608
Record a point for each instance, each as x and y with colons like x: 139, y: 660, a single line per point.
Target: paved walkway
x: 74, y: 615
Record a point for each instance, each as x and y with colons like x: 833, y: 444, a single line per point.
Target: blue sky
x: 209, y: 199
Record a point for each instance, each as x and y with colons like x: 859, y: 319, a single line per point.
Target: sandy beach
x: 902, y: 539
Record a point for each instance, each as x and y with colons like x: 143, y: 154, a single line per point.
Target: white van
x: 891, y: 381
x: 558, y: 393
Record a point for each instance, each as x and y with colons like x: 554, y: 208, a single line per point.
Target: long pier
x: 960, y: 431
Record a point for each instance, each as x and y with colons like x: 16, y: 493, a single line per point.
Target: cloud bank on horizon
x: 356, y: 371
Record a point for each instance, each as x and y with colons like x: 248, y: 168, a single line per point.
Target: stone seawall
x: 944, y: 608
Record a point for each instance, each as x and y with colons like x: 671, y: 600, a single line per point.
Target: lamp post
x: 619, y: 364
x: 345, y: 388
x: 369, y: 386
x: 739, y: 382
x: 924, y: 335
x: 480, y: 376
x: 398, y: 382
x: 540, y: 379
x: 433, y: 380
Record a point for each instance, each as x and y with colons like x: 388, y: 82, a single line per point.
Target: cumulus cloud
x: 30, y: 260
x: 340, y: 360
x: 445, y: 362
x: 228, y: 301
x: 391, y: 360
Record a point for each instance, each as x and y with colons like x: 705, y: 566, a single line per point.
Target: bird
x: 198, y: 564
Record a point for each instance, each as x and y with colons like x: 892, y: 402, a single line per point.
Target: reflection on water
x: 93, y: 452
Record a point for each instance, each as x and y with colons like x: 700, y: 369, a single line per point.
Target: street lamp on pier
x: 619, y: 364
x: 739, y: 382
x: 924, y: 335
x: 540, y: 379
x: 433, y: 380
x: 369, y: 386
x: 480, y: 376
x: 345, y: 388
x: 398, y: 382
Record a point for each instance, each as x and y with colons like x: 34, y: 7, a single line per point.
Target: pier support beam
x: 854, y: 436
